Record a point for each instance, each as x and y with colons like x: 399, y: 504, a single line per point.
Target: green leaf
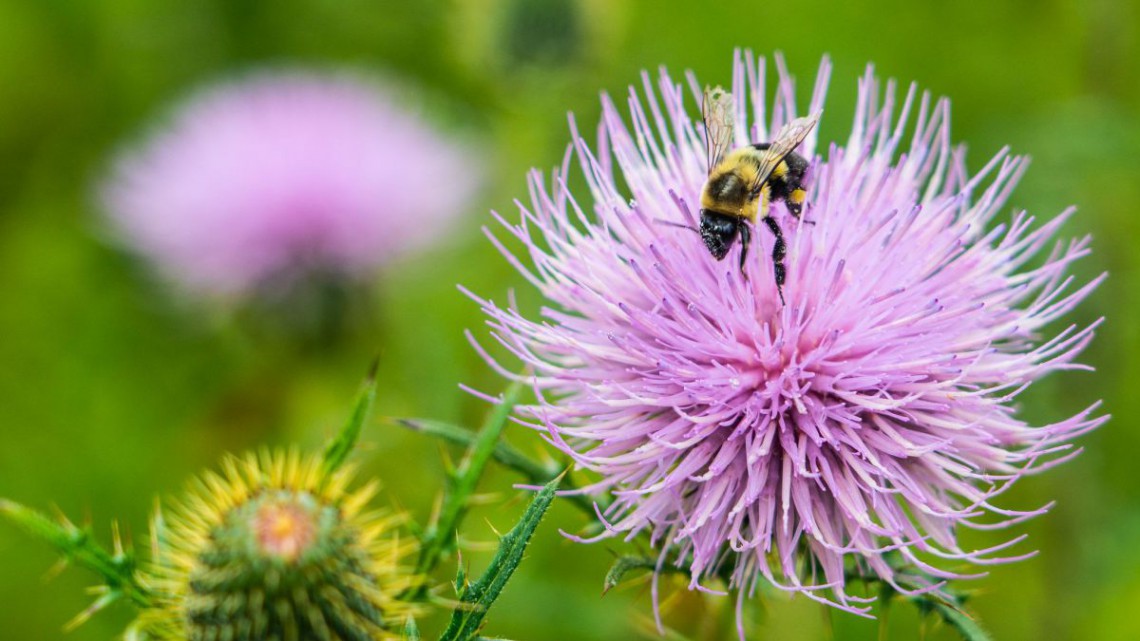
x: 460, y: 579
x: 439, y: 536
x: 481, y: 595
x: 411, y: 631
x: 958, y: 619
x: 949, y: 607
x: 622, y: 565
x: 340, y: 447
x: 117, y: 569
x: 507, y: 456
x: 503, y: 453
x: 946, y: 603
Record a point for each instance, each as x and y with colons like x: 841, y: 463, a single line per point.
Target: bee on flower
x: 854, y: 429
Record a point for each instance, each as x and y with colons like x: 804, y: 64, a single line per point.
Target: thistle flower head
x: 854, y: 429
x: 263, y: 180
x: 276, y: 547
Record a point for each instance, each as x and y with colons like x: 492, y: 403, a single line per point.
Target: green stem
x: 947, y: 605
x: 439, y: 537
x: 77, y: 545
x: 337, y: 451
x: 624, y: 564
x: 507, y: 456
x: 478, y: 597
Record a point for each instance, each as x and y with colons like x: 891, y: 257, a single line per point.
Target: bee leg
x: 745, y: 241
x: 779, y: 251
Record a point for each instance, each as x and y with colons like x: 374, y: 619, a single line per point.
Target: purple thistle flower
x: 268, y: 177
x: 862, y: 423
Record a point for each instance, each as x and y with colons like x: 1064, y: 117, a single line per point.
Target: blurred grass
x: 112, y: 392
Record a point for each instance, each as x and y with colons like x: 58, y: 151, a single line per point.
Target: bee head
x: 719, y: 232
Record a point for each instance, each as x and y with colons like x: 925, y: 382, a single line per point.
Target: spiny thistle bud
x: 277, y: 548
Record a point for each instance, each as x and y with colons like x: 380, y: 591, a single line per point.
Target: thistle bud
x: 277, y: 548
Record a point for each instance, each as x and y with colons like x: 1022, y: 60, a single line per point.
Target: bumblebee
x: 743, y: 183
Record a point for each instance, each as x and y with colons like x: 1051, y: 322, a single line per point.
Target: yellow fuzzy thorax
x: 727, y: 191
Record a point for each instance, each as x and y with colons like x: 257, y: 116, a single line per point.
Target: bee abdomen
x: 787, y: 179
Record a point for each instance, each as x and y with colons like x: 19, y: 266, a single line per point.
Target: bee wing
x: 787, y: 139
x: 720, y: 122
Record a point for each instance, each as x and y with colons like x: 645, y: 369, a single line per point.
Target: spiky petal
x: 857, y: 426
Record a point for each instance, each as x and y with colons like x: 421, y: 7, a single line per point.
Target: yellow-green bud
x: 276, y: 549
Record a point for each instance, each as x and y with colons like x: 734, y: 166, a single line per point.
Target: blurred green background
x: 112, y: 392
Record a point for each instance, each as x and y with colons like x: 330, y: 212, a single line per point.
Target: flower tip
x: 284, y: 530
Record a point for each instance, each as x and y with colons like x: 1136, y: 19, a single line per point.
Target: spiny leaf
x: 505, y: 455
x: 958, y: 619
x: 948, y: 606
x: 460, y: 578
x: 77, y: 545
x: 623, y: 564
x: 439, y: 536
x: 340, y: 447
x: 411, y: 631
x: 480, y: 595
x: 946, y: 603
x: 105, y: 599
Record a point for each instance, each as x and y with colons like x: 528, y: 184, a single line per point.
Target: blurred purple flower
x: 281, y: 173
x: 855, y: 428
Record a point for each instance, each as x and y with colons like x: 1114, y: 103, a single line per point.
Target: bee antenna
x: 670, y: 223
